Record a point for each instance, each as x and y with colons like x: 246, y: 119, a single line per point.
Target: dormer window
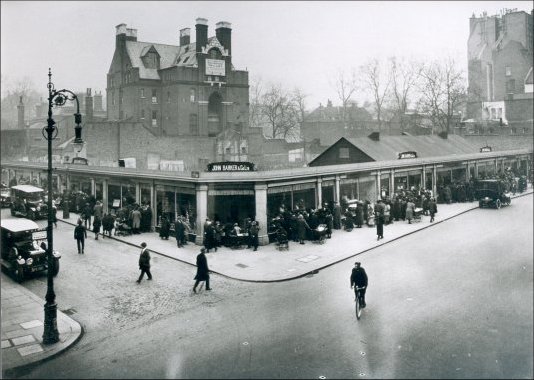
x: 151, y: 59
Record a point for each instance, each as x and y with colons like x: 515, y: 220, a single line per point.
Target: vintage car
x: 22, y: 252
x: 5, y: 194
x: 492, y: 193
x: 28, y: 201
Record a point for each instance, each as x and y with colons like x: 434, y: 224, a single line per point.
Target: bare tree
x: 299, y: 102
x: 442, y: 91
x: 280, y: 113
x: 12, y: 92
x: 255, y: 96
x: 404, y: 76
x: 345, y: 84
x: 376, y: 81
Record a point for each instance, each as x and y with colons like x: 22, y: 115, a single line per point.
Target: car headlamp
x: 29, y: 261
x: 38, y: 207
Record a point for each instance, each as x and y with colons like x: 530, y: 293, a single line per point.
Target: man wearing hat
x: 203, y: 272
x: 144, y: 263
x: 358, y: 278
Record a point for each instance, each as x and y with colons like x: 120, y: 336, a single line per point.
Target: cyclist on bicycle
x: 358, y: 279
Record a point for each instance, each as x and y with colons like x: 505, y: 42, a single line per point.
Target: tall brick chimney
x: 20, y: 118
x: 97, y: 102
x: 124, y: 34
x: 201, y: 33
x: 223, y: 32
x: 185, y: 36
x: 88, y: 105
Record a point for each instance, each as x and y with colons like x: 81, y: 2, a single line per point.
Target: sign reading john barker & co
x: 231, y: 166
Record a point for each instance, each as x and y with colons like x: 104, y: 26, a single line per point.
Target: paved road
x: 453, y: 301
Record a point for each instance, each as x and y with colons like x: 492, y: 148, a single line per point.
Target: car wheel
x: 19, y: 273
x: 498, y: 204
x: 55, y: 270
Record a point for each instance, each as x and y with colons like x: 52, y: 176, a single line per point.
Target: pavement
x: 23, y: 312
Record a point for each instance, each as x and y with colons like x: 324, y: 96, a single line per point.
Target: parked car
x: 22, y: 253
x: 28, y: 201
x: 492, y: 193
x: 5, y: 197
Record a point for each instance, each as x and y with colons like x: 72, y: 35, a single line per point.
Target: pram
x: 417, y: 213
x: 122, y: 228
x: 319, y: 234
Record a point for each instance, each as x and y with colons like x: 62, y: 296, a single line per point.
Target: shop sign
x: 231, y: 166
x: 410, y: 154
x: 485, y: 149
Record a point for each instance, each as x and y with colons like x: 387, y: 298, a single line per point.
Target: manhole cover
x: 69, y: 311
x: 241, y: 265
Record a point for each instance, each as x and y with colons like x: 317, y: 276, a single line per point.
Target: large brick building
x: 500, y: 52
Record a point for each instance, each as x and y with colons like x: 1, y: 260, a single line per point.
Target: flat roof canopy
x: 18, y: 225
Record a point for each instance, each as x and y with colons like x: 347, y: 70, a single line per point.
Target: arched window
x: 214, y: 54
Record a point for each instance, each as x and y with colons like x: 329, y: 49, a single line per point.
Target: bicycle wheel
x: 357, y: 307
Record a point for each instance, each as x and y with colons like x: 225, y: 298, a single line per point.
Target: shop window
x: 344, y: 153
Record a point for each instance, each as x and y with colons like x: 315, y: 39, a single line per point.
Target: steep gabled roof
x: 388, y: 147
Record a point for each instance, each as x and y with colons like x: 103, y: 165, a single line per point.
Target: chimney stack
x: 124, y: 34
x: 201, y: 33
x: 88, y: 105
x: 223, y: 32
x: 20, y: 119
x: 185, y: 36
x: 97, y: 102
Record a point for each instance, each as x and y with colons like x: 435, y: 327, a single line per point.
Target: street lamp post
x: 55, y: 98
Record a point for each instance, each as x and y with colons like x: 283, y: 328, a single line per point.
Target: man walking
x: 203, y: 272
x: 432, y: 209
x: 379, y: 219
x: 80, y: 233
x: 144, y: 263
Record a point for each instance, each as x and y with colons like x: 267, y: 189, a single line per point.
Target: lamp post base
x: 50, y: 333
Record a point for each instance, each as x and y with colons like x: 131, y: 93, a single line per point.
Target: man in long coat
x: 302, y: 228
x: 179, y: 228
x: 203, y: 272
x: 337, y: 216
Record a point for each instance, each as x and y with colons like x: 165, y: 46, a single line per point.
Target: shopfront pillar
x: 502, y: 165
x: 476, y: 170
x: 467, y: 172
x: 67, y: 181
x: 423, y: 178
x: 202, y: 211
x: 496, y: 165
x: 105, y: 195
x: 378, y: 187
x: 319, y: 192
x: 31, y: 177
x: 260, y: 191
x: 138, y: 193
x: 336, y: 190
x: 153, y: 204
x: 435, y: 181
x: 93, y: 187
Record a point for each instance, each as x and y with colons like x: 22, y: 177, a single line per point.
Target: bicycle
x: 358, y: 303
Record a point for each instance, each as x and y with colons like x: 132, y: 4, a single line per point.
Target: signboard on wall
x: 215, y: 67
x: 410, y: 154
x: 231, y: 166
x: 485, y: 149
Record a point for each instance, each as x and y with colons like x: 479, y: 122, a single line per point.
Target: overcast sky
x: 294, y: 43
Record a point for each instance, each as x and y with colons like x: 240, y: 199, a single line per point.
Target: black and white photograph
x: 267, y: 189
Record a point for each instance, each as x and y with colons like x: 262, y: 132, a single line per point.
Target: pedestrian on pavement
x: 97, y: 210
x: 253, y: 232
x: 54, y: 215
x: 203, y: 272
x: 97, y: 223
x: 107, y: 224
x: 164, y: 230
x: 410, y: 208
x: 179, y: 228
x: 358, y: 279
x: 80, y: 233
x: 136, y: 220
x: 379, y: 219
x: 432, y: 209
x: 86, y: 215
x: 302, y: 228
x: 144, y: 263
